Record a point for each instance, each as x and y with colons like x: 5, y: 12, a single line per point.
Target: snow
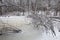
x: 28, y: 33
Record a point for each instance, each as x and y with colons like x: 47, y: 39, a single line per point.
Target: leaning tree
x: 43, y: 20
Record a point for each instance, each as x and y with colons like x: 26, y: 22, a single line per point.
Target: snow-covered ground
x: 28, y: 32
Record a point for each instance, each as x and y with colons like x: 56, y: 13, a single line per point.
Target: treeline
x: 29, y: 5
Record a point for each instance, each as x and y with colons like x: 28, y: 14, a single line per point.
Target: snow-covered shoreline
x: 28, y: 32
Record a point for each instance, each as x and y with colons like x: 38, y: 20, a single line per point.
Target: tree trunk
x: 0, y: 10
x: 55, y: 14
x: 28, y: 5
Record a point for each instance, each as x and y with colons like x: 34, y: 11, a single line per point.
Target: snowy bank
x: 28, y: 33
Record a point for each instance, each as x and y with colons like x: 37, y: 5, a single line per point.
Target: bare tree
x: 42, y: 20
x: 21, y: 2
x: 24, y: 8
x: 28, y: 5
x: 0, y: 10
x: 57, y: 9
x: 35, y: 6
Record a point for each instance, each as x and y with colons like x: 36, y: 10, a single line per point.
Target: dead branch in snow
x: 11, y: 29
x: 42, y: 20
